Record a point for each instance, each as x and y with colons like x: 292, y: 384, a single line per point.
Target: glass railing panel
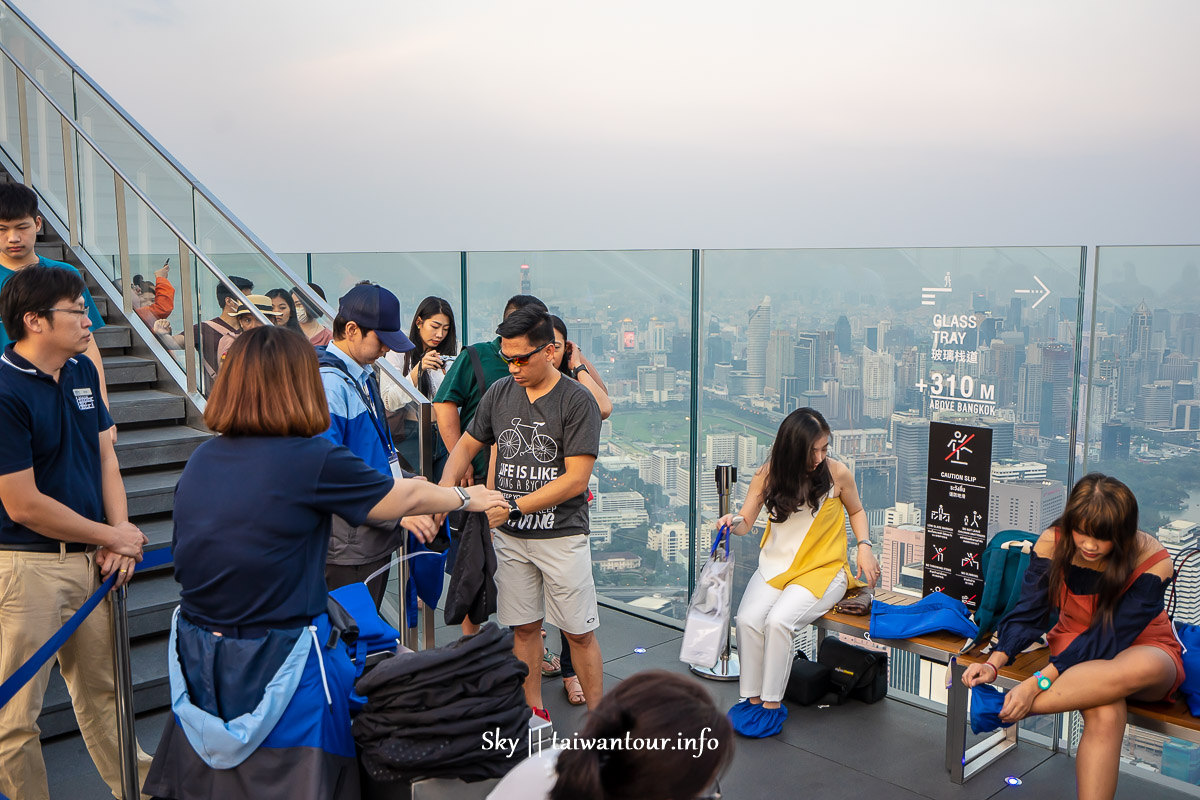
x: 630, y: 314
x: 142, y: 164
x: 882, y: 342
x: 10, y: 115
x: 1142, y: 419
x: 46, y: 66
x: 410, y: 276
x: 98, y: 210
x: 298, y: 262
x: 46, y: 151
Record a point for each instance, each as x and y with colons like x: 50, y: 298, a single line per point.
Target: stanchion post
x: 123, y: 675
x: 727, y: 667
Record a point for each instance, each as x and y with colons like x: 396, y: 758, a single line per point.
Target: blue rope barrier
x: 15, y: 682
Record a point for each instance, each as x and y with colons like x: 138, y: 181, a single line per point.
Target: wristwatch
x: 1043, y: 682
x: 514, y: 513
x: 466, y: 498
x: 581, y: 368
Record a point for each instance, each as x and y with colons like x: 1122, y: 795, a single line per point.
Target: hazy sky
x: 526, y: 124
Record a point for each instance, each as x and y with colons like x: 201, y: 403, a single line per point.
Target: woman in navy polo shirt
x: 260, y: 693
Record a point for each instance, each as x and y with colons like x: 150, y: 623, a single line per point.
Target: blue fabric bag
x: 1189, y: 637
x: 934, y: 612
x: 986, y: 702
x: 428, y: 569
x: 374, y: 634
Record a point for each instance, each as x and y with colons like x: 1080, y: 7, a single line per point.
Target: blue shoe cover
x: 986, y: 702
x: 756, y: 722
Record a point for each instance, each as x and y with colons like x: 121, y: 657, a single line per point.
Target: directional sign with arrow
x: 1042, y: 293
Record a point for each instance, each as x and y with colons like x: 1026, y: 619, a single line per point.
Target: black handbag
x: 808, y: 682
x: 854, y: 672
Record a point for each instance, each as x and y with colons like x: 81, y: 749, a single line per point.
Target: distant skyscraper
x: 805, y: 359
x: 747, y: 454
x: 1114, y: 442
x: 1024, y: 505
x: 656, y: 335
x: 841, y: 336
x: 879, y: 385
x: 1154, y: 404
x: 791, y: 390
x: 720, y: 448
x: 1177, y: 536
x: 1003, y: 437
x: 525, y: 279
x: 779, y: 359
x: 910, y: 444
x: 904, y: 544
x: 757, y: 335
x: 1058, y: 370
x: 875, y: 476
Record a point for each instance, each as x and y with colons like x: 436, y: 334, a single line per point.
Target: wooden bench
x: 962, y: 762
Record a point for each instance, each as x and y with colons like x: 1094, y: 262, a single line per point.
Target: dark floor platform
x: 886, y: 750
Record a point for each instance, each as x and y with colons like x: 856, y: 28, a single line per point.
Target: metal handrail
x: 300, y: 286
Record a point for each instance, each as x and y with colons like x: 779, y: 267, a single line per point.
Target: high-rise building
x: 875, y: 475
x: 1058, y: 370
x: 656, y: 383
x: 858, y: 441
x: 1029, y: 392
x: 656, y: 335
x: 1024, y: 505
x: 1003, y: 437
x: 1003, y: 471
x: 818, y: 400
x: 910, y: 444
x: 790, y: 394
x: 841, y: 336
x: 627, y: 338
x: 1154, y: 403
x: 525, y: 285
x: 805, y: 360
x: 902, y: 545
x: 779, y: 359
x: 720, y: 448
x: 1186, y: 416
x: 1181, y: 760
x: 747, y: 454
x: 1102, y: 404
x: 1177, y: 536
x: 1114, y: 442
x: 758, y: 333
x: 661, y: 468
x: 670, y: 539
x: 902, y: 514
x: 879, y: 385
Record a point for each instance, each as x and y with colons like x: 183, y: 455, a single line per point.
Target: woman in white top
x: 803, y: 569
x: 425, y: 365
x: 656, y: 735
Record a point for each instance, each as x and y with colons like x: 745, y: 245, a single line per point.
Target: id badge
x: 394, y: 463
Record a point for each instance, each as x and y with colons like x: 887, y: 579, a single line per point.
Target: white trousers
x: 767, y: 621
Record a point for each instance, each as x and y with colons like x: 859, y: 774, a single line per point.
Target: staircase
x: 154, y: 441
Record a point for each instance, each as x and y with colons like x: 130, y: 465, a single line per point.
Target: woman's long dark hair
x: 789, y: 483
x: 1105, y: 509
x: 651, y: 706
x: 283, y: 294
x: 430, y: 306
x: 561, y: 327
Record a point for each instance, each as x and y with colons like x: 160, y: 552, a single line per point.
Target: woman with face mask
x: 309, y: 317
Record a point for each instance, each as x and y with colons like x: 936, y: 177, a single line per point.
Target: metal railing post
x: 123, y: 244
x: 69, y: 175
x: 123, y: 676
x: 190, y: 366
x: 426, y: 446
x: 23, y: 112
x: 727, y: 667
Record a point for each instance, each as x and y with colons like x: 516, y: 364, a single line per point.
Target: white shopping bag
x: 707, y: 628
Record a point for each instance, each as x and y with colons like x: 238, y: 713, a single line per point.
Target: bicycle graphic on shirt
x: 513, y: 442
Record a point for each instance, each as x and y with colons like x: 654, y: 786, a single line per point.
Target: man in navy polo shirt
x: 62, y: 514
x: 20, y: 225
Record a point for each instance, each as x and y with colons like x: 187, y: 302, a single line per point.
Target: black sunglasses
x: 522, y: 360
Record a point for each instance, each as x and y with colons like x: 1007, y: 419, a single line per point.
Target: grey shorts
x: 548, y: 579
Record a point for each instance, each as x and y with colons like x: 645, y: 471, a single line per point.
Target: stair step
x: 145, y: 447
x: 159, y: 532
x: 152, y: 600
x: 144, y: 405
x: 120, y: 370
x: 55, y: 251
x: 151, y: 492
x: 113, y: 337
x: 101, y: 303
x: 151, y: 689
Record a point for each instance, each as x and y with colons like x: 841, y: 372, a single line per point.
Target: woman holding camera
x: 803, y: 569
x: 436, y: 341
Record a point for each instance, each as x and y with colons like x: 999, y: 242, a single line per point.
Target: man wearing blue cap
x: 367, y: 326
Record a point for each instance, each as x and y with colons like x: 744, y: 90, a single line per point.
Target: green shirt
x: 461, y: 388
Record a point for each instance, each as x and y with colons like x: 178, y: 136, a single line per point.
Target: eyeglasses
x: 79, y: 312
x: 522, y: 360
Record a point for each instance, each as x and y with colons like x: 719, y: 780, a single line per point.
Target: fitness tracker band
x: 581, y: 368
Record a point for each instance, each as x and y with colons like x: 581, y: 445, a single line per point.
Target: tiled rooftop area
x: 886, y: 750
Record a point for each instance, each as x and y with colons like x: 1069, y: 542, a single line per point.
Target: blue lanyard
x: 373, y: 406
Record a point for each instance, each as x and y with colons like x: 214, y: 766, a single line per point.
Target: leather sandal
x: 551, y: 666
x: 574, y: 691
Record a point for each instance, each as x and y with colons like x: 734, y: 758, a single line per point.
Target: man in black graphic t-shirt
x: 547, y: 434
